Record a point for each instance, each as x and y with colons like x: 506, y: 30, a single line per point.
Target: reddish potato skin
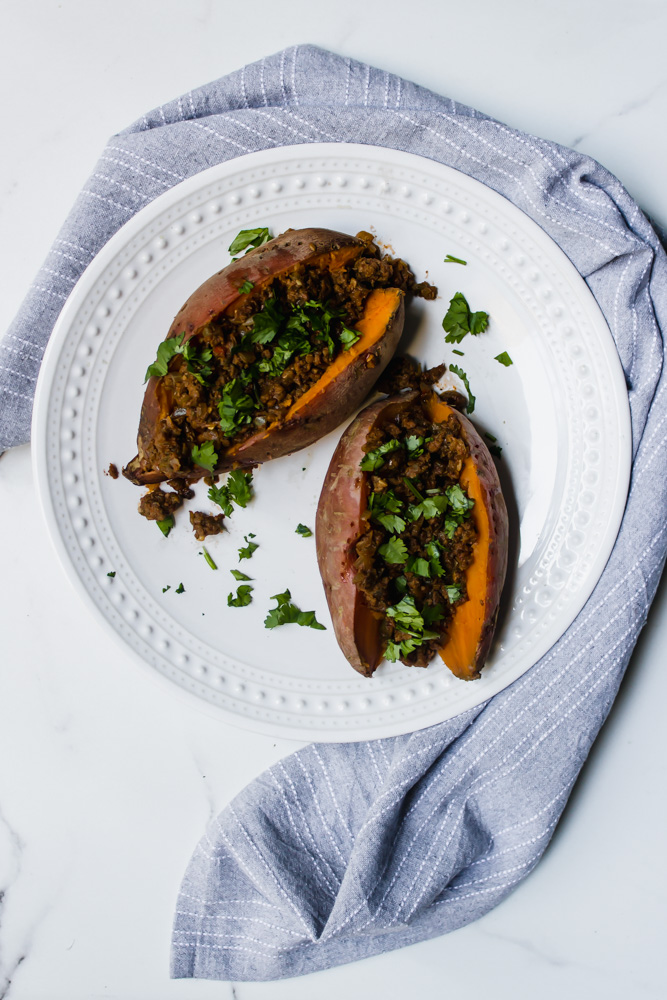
x: 338, y: 524
x: 342, y: 504
x: 220, y: 292
x: 494, y: 504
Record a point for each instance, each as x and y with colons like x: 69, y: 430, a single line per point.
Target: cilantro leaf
x: 433, y: 613
x: 165, y: 589
x: 384, y: 508
x: 238, y: 575
x: 429, y: 507
x: 196, y: 358
x: 453, y: 593
x: 433, y: 552
x: 165, y: 352
x: 248, y: 239
x: 266, y: 324
x: 464, y: 378
x: 496, y: 450
x: 375, y: 459
x: 166, y: 524
x: 242, y: 597
x: 180, y: 589
x: 406, y: 616
x: 348, y: 337
x: 287, y: 613
x: 454, y: 260
x: 419, y: 566
x: 239, y: 485
x: 303, y: 530
x: 205, y: 456
x: 247, y: 551
x: 235, y: 407
x: 459, y: 502
x: 246, y: 287
x: 220, y: 495
x: 112, y: 573
x: 504, y: 359
x: 459, y: 320
x: 394, y: 551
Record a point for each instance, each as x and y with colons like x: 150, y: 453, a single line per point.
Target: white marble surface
x: 107, y: 778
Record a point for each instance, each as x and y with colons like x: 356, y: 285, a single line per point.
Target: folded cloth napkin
x: 344, y: 851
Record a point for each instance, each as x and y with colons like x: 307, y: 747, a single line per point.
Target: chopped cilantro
x: 248, y: 239
x: 429, y: 507
x: 112, y: 573
x: 496, y: 450
x: 375, y: 459
x: 504, y: 359
x: 459, y: 320
x: 385, y: 508
x: 205, y: 456
x: 394, y: 551
x: 454, y: 260
x: 243, y: 596
x: 303, y: 530
x: 453, y: 593
x: 419, y: 566
x: 464, y: 378
x: 432, y: 613
x: 208, y: 557
x: 166, y: 524
x: 490, y: 437
x: 348, y: 337
x: 401, y: 584
x: 460, y: 353
x: 165, y: 589
x: 238, y: 575
x: 235, y: 407
x: 196, y: 358
x: 247, y: 551
x: 459, y: 502
x: 237, y: 489
x: 287, y: 613
x: 411, y: 622
x: 246, y: 287
x: 180, y: 589
x: 266, y: 324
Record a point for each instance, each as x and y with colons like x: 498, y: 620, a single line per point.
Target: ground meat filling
x: 204, y: 525
x: 156, y: 505
x: 430, y: 567
x: 260, y: 380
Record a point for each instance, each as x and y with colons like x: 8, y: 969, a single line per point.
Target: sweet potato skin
x: 339, y: 523
x: 220, y: 292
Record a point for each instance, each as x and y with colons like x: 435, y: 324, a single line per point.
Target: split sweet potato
x: 167, y: 434
x: 357, y: 584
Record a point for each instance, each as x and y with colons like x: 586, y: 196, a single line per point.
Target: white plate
x: 560, y: 414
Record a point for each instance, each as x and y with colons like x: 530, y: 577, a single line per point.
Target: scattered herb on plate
x: 303, y: 530
x: 459, y: 320
x: 243, y: 597
x: 208, y: 557
x: 112, y: 573
x: 454, y: 260
x: 166, y: 524
x: 287, y: 613
x: 247, y: 551
x: 165, y: 589
x: 180, y: 589
x: 504, y: 359
x: 237, y: 490
x: 238, y: 575
x: 248, y: 239
x: 205, y: 456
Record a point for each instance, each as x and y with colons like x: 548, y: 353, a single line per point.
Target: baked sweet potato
x: 270, y: 354
x: 412, y: 534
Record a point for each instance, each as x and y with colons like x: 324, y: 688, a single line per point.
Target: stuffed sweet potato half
x: 412, y: 535
x: 270, y: 354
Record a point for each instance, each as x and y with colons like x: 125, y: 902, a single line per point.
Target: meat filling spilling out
x: 251, y: 364
x: 417, y: 544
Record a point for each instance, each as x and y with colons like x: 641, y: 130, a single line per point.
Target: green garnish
x: 303, y: 530
x: 408, y: 620
x: 375, y: 459
x: 419, y: 566
x: 459, y: 320
x: 394, y: 551
x: 460, y: 353
x: 496, y: 450
x: 453, y: 592
x: 490, y: 437
x: 247, y: 551
x: 464, y: 378
x: 196, y: 358
x: 242, y: 597
x: 454, y: 260
x: 165, y: 589
x: 112, y: 573
x: 180, y: 589
x: 266, y: 324
x: 348, y: 337
x: 235, y: 407
x: 166, y: 524
x: 246, y: 287
x: 237, y: 489
x: 207, y: 556
x: 205, y: 456
x: 238, y: 575
x: 433, y: 550
x: 248, y: 239
x: 385, y: 508
x: 413, y: 489
x: 287, y: 613
x: 504, y: 359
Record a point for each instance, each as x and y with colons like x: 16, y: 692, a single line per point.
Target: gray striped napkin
x: 344, y: 851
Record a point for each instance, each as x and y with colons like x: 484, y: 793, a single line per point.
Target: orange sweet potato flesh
x: 339, y: 523
x: 331, y: 400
